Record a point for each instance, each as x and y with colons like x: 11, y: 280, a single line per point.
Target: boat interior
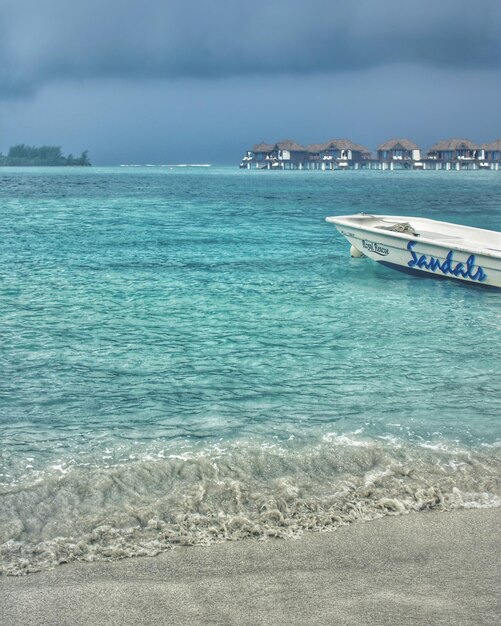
x: 425, y: 228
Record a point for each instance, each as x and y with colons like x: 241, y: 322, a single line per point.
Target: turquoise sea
x: 190, y: 355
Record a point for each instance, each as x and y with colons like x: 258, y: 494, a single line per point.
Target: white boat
x: 425, y: 246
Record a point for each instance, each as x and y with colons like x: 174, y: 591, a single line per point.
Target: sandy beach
x: 428, y: 568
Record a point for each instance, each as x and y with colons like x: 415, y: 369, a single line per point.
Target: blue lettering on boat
x: 448, y: 266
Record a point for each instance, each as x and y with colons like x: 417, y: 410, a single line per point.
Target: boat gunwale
x: 474, y: 249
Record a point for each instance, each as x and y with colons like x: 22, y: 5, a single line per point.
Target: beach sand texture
x: 428, y: 568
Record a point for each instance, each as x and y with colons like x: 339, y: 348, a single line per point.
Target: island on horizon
x: 32, y: 156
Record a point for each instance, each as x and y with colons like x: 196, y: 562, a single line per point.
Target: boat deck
x: 457, y: 235
x: 428, y: 234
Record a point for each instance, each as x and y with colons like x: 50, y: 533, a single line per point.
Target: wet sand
x: 427, y: 568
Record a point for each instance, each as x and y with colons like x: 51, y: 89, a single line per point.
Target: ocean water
x: 190, y: 355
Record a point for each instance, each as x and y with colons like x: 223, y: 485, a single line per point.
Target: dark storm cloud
x: 56, y: 40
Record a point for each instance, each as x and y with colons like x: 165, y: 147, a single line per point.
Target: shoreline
x: 431, y: 567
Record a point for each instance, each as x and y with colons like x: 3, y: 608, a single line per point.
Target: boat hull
x: 412, y: 253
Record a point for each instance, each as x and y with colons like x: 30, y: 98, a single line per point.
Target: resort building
x: 288, y: 154
x: 339, y: 153
x: 492, y: 151
x: 314, y: 158
x: 455, y: 150
x: 399, y: 154
x: 258, y: 154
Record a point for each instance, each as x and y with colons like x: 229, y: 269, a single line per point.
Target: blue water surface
x: 150, y: 307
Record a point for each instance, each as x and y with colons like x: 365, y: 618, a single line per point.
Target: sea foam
x: 248, y: 490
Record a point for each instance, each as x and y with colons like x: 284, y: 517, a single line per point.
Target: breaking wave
x: 246, y: 489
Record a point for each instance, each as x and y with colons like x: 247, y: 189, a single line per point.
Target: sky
x: 199, y: 81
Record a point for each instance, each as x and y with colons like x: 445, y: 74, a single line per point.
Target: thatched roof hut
x: 494, y: 146
x: 262, y: 147
x: 316, y: 147
x: 290, y: 145
x: 453, y: 144
x: 345, y: 144
x: 397, y: 144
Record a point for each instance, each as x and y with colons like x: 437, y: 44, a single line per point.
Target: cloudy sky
x: 170, y: 81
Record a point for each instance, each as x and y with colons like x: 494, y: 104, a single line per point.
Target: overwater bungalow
x: 398, y: 153
x: 259, y: 152
x: 492, y: 151
x: 314, y: 159
x: 288, y: 154
x: 343, y: 153
x: 455, y: 150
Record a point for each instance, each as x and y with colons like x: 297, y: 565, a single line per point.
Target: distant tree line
x: 44, y: 155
